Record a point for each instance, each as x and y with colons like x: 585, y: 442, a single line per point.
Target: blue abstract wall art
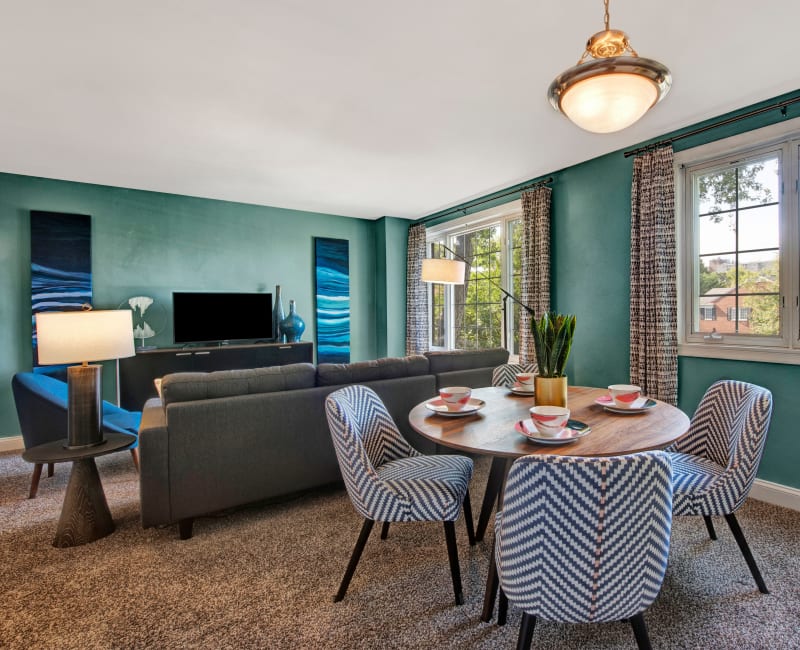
x: 332, y: 273
x: 61, y: 264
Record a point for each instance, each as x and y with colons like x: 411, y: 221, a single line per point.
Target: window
x: 741, y: 314
x: 472, y: 316
x: 738, y: 235
x: 708, y: 312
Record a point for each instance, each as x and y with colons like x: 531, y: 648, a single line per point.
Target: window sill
x: 740, y: 353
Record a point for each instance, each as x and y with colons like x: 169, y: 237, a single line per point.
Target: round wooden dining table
x: 490, y: 431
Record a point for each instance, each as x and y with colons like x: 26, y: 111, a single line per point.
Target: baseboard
x: 11, y: 443
x: 776, y: 494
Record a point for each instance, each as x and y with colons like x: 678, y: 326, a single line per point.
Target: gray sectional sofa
x: 224, y: 439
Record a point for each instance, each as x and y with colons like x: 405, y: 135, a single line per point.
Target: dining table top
x: 490, y: 430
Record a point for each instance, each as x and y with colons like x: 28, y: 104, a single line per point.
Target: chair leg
x: 745, y: 549
x: 135, y: 456
x: 492, y: 583
x: 468, y: 520
x: 366, y: 529
x: 710, y: 527
x: 502, y: 608
x: 640, y: 631
x: 37, y: 474
x: 385, y: 530
x: 51, y: 467
x: 526, y: 631
x: 452, y: 554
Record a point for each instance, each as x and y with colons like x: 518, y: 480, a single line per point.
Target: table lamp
x: 80, y: 337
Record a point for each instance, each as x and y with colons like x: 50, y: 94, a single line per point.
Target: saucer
x: 519, y: 389
x: 639, y: 406
x: 574, y: 430
x: 439, y: 407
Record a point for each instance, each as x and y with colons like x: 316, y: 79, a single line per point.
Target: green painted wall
x: 150, y: 243
x: 391, y: 238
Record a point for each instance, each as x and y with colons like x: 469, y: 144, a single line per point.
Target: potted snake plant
x: 552, y: 341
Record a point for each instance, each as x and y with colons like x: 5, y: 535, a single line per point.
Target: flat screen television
x: 203, y: 317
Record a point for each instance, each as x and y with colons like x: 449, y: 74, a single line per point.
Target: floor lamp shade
x: 443, y: 271
x: 80, y: 337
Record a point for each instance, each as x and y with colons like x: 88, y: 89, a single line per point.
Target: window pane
x: 759, y: 228
x: 758, y: 182
x: 716, y: 192
x: 763, y: 314
x: 758, y: 272
x: 717, y: 233
x: 479, y: 300
x: 717, y: 274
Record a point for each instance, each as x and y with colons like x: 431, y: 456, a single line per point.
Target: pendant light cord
x: 606, y: 17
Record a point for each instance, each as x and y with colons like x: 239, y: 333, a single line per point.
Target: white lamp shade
x: 78, y: 336
x: 609, y: 102
x: 443, y: 271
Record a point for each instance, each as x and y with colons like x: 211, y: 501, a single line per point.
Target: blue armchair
x: 41, y: 402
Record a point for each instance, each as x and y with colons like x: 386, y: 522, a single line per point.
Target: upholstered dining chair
x: 715, y: 464
x: 584, y: 540
x: 390, y: 481
x: 506, y: 374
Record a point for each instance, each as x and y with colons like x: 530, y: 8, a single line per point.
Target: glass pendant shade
x: 609, y: 102
x: 607, y: 90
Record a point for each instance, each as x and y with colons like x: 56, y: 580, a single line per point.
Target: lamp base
x: 85, y: 407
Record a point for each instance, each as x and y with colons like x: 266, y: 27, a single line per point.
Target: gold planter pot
x: 550, y: 391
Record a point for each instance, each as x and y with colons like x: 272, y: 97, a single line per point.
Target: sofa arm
x: 154, y: 465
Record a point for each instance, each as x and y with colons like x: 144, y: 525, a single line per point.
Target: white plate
x: 438, y: 406
x: 639, y: 406
x: 574, y: 431
x: 518, y: 389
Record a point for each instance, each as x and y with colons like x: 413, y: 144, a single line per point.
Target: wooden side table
x: 85, y: 516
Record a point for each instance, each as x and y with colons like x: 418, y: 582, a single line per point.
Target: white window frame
x: 498, y: 215
x: 783, y: 349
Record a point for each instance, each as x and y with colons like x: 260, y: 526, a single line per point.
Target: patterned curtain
x: 416, y: 293
x: 535, y: 260
x: 654, y: 320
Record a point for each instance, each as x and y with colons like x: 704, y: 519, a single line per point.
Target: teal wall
x: 150, y: 243
x: 391, y: 263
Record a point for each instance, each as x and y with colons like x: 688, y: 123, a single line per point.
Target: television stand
x: 136, y: 374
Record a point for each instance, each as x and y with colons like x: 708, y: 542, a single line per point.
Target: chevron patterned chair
x: 390, y: 481
x: 506, y: 374
x: 715, y: 464
x: 584, y: 540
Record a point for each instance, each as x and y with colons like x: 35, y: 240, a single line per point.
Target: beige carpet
x: 264, y: 577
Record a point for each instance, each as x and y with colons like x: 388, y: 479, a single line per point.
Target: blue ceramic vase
x: 292, y: 327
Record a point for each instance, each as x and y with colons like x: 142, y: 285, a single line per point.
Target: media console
x: 136, y: 374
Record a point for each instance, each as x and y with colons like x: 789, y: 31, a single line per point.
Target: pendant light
x: 610, y: 91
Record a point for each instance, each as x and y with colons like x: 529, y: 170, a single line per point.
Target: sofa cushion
x: 192, y: 386
x: 334, y: 374
x: 449, y: 360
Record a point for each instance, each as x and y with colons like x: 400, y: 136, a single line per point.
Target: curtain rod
x: 764, y: 109
x: 482, y: 201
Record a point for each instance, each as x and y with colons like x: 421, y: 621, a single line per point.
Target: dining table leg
x: 494, y: 493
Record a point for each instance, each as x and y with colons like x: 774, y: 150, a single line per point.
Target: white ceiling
x: 357, y: 107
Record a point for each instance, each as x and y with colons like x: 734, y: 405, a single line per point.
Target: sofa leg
x: 185, y: 528
x: 37, y: 474
x: 135, y: 456
x: 385, y: 530
x: 50, y: 469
